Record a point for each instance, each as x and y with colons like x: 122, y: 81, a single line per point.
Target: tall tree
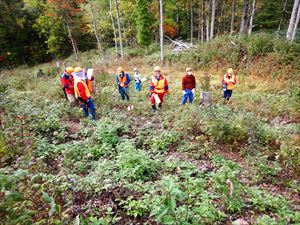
x: 91, y: 6
x: 192, y: 21
x: 244, y: 17
x: 232, y: 16
x: 281, y: 19
x: 291, y: 28
x: 213, y: 13
x: 119, y: 29
x: 161, y: 30
x: 113, y: 26
x: 252, y: 17
x: 66, y: 10
x: 296, y: 23
x: 202, y: 20
x: 207, y: 19
x: 143, y: 21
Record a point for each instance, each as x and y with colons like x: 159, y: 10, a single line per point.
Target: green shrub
x: 135, y: 164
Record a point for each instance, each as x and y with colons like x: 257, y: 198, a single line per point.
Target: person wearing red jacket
x: 67, y: 81
x: 82, y: 93
x: 228, y: 83
x: 158, y: 88
x: 188, y: 86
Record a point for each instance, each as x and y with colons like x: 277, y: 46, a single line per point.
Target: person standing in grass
x: 123, y: 80
x: 188, y: 86
x: 228, y: 84
x: 83, y: 94
x: 158, y: 88
x: 67, y: 82
x: 137, y: 80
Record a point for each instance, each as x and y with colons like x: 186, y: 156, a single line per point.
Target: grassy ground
x: 181, y: 165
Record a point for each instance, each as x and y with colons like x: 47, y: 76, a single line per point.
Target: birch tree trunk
x: 119, y: 29
x: 73, y: 41
x: 283, y: 12
x: 213, y: 13
x: 202, y: 21
x: 161, y: 30
x: 113, y: 26
x: 207, y: 20
x: 95, y: 25
x: 296, y: 23
x: 244, y: 16
x: 232, y: 16
x: 289, y: 34
x: 252, y: 17
x: 192, y: 22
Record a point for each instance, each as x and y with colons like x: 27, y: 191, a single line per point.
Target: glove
x: 121, y: 84
x: 193, y: 91
x: 183, y: 92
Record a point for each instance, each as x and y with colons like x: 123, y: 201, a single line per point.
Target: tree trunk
x: 232, y: 16
x: 119, y: 29
x: 177, y: 21
x: 244, y: 17
x: 289, y: 34
x: 207, y: 20
x: 113, y: 26
x: 296, y: 23
x: 213, y: 13
x: 123, y: 25
x: 73, y: 41
x: 202, y: 21
x: 161, y: 31
x: 283, y: 12
x: 95, y: 25
x: 252, y: 17
x: 192, y: 22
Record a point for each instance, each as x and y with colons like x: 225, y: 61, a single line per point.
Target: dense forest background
x: 36, y: 31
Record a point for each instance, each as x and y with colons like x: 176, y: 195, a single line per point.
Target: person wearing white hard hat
x: 137, y: 80
x: 158, y: 88
x: 188, y: 86
x: 228, y: 82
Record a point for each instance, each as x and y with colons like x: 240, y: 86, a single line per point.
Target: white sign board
x: 89, y: 73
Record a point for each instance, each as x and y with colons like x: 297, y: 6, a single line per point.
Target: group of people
x: 77, y: 86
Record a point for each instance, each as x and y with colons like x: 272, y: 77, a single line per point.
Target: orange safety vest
x: 123, y: 80
x: 229, y: 81
x: 77, y: 94
x: 159, y: 85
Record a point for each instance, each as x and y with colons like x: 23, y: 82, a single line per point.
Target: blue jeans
x: 137, y: 86
x: 89, y: 109
x: 124, y: 92
x: 188, y: 95
x: 227, y: 94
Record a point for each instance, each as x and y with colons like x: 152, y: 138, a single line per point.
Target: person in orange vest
x: 123, y: 80
x: 228, y: 83
x: 67, y: 81
x: 158, y: 88
x: 83, y: 94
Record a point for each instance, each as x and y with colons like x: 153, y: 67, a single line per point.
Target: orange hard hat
x: 70, y: 69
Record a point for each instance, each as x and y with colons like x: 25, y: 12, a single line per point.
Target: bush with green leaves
x: 135, y: 164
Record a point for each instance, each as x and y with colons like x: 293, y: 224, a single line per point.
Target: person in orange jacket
x: 158, y: 88
x: 82, y: 93
x: 228, y: 82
